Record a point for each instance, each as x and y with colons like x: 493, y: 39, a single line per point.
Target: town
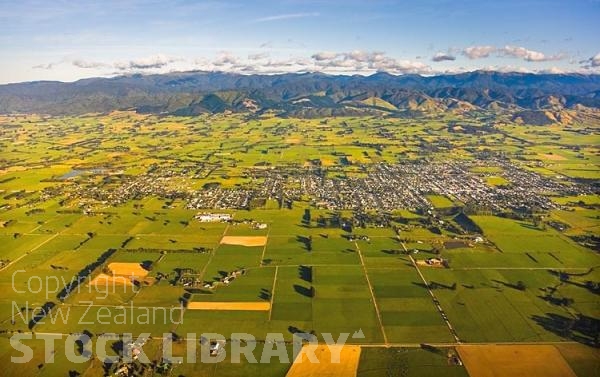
x: 384, y: 187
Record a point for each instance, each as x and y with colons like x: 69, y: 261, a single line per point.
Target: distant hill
x: 308, y: 94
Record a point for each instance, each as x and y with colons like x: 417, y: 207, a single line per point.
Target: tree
x: 567, y: 301
x: 306, y: 217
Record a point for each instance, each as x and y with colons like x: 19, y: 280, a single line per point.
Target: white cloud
x: 553, y: 70
x: 595, y: 60
x: 403, y: 67
x: 478, y: 52
x: 325, y: 55
x: 528, y: 55
x: 226, y: 58
x: 362, y: 56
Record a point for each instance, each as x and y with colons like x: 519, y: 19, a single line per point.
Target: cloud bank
x: 334, y: 62
x: 480, y: 52
x: 528, y: 55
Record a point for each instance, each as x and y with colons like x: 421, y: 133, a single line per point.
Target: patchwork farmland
x: 115, y: 241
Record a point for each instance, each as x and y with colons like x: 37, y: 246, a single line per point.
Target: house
x: 136, y: 353
x: 216, y: 347
x: 435, y: 261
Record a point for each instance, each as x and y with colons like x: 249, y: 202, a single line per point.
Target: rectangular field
x: 514, y: 361
x: 326, y: 366
x: 242, y: 306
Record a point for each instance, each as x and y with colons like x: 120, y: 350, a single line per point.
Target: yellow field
x: 244, y: 241
x: 327, y: 161
x: 108, y: 280
x: 127, y: 269
x: 253, y: 306
x: 347, y: 366
x: 514, y: 361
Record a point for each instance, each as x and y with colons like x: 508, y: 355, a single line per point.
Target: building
x: 213, y: 217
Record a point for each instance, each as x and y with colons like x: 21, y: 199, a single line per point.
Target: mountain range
x: 535, y: 98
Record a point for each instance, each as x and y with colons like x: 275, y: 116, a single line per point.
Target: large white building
x: 212, y: 217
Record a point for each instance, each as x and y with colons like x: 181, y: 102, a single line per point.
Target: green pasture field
x: 270, y: 367
x: 410, y: 362
x: 487, y: 169
x: 440, y: 201
x: 246, y: 288
x: 228, y: 258
x: 583, y: 360
x: 406, y: 308
x: 579, y: 220
x: 383, y: 252
x: 38, y: 366
x: 520, y: 236
x: 497, y: 181
x: 246, y: 230
x: 342, y: 303
x: 586, y: 199
x: 486, y: 305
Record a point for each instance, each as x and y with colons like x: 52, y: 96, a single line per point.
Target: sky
x: 70, y: 40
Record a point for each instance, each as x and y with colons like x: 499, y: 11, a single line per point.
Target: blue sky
x: 69, y: 40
